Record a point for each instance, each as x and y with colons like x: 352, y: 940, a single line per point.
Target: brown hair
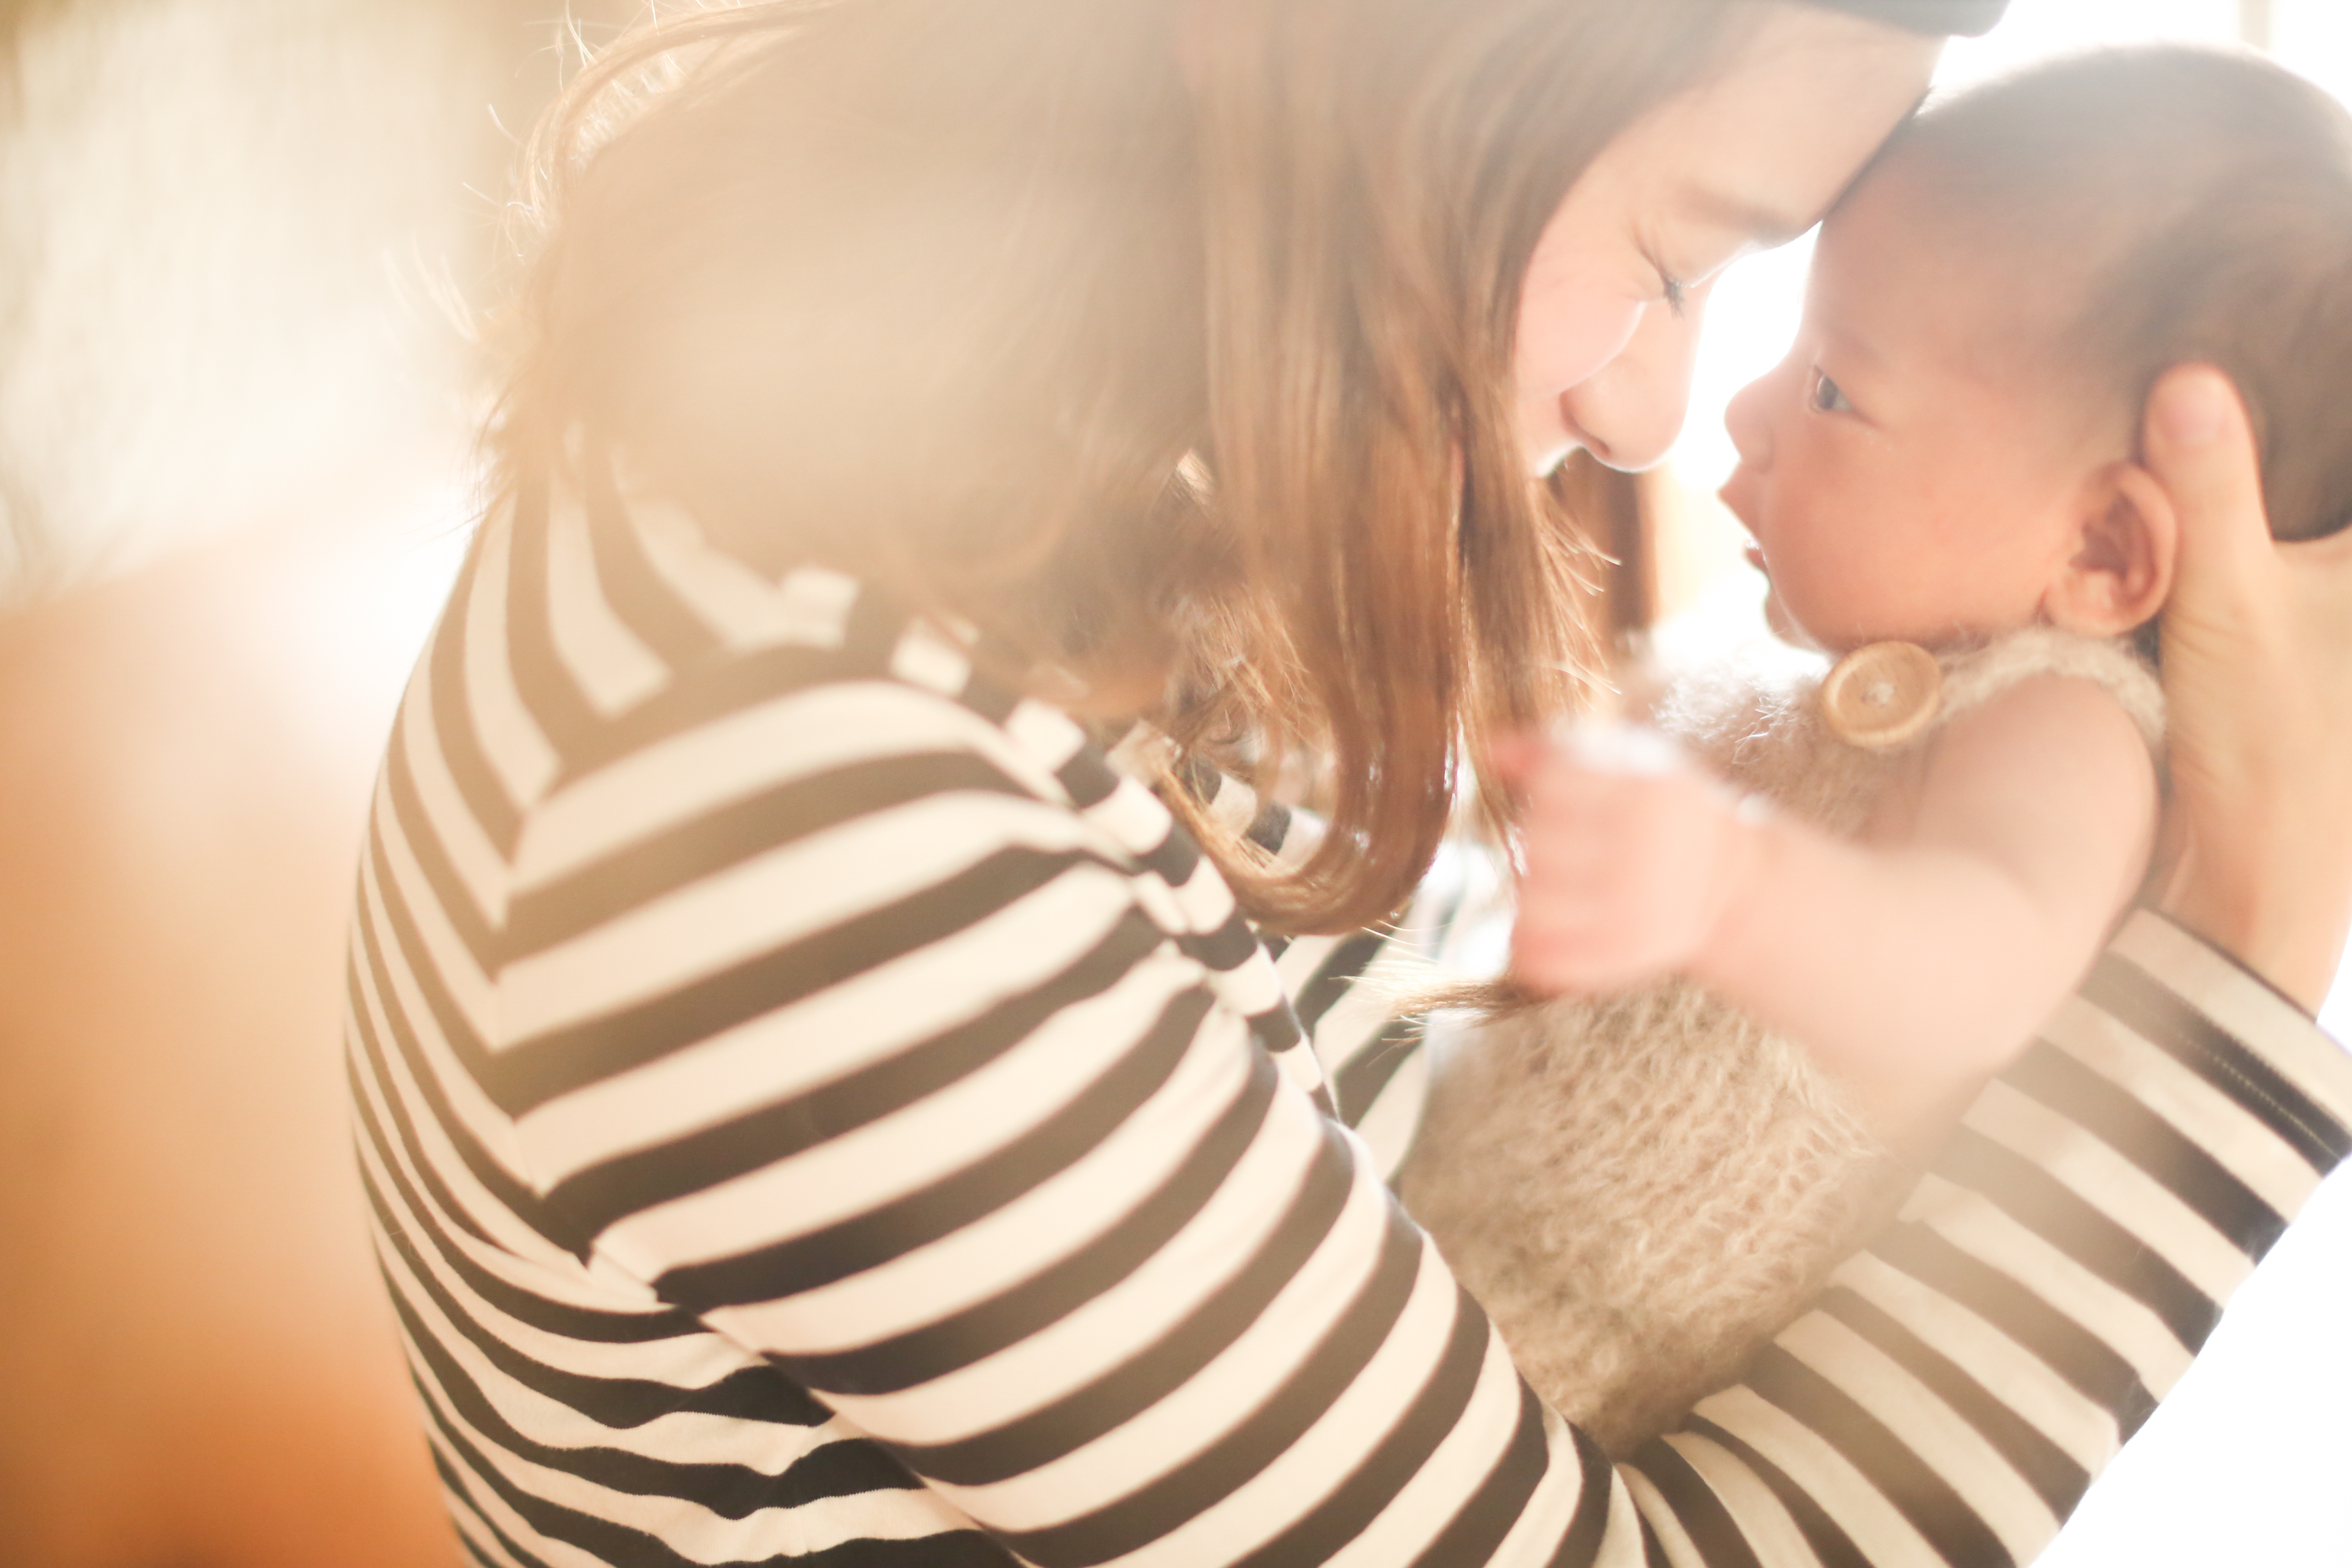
x: 2198, y: 203
x: 1170, y: 340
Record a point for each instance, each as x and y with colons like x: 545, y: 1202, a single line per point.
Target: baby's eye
x: 1828, y: 396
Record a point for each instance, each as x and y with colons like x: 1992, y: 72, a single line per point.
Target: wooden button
x: 1882, y: 695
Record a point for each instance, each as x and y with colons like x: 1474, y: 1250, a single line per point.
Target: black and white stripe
x: 815, y: 1109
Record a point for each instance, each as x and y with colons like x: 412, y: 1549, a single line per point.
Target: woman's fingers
x: 2200, y: 445
x: 2258, y: 670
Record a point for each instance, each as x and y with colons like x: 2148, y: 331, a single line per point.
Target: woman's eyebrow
x: 1768, y: 225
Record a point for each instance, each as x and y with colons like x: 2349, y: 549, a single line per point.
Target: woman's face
x: 1610, y: 311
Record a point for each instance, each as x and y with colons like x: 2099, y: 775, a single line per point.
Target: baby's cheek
x: 1820, y: 596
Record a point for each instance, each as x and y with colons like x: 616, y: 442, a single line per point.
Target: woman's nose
x: 1629, y: 414
x: 1748, y: 420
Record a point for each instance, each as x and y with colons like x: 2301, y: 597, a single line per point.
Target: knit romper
x: 1642, y: 1189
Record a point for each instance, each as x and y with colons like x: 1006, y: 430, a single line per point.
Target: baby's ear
x: 2126, y: 539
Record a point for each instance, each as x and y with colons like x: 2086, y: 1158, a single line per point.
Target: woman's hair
x: 2192, y: 204
x: 1171, y: 340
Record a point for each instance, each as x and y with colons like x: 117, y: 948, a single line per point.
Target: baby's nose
x: 1749, y: 422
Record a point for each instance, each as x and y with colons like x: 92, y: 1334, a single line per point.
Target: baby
x: 1790, y: 1004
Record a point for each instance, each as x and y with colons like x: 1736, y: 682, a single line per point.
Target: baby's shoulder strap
x: 1974, y: 677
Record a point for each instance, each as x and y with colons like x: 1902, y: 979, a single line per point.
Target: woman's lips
x: 1755, y: 557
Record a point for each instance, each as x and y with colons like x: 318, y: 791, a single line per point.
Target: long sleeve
x: 1963, y: 1380
x: 815, y: 1111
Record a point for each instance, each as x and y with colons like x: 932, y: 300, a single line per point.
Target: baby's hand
x: 1633, y: 858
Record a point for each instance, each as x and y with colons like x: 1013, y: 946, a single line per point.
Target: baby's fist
x: 1633, y: 859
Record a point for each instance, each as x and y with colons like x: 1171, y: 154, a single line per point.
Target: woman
x: 816, y: 1108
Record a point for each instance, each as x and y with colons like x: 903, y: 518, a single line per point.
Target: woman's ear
x: 2120, y: 571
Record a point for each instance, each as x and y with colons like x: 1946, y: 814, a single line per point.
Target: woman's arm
x: 1120, y: 1294
x: 2258, y: 675
x: 1161, y: 1310
x: 718, y: 1039
x: 2069, y: 1250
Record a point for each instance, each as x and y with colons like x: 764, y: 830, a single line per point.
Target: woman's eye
x: 1829, y: 398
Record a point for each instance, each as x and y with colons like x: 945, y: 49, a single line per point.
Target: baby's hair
x: 2198, y: 203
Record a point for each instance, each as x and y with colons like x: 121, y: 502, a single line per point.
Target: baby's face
x: 1906, y: 474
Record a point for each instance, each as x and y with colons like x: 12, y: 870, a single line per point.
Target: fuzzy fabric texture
x: 1641, y: 1190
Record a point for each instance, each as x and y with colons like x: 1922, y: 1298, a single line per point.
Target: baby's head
x: 1951, y: 447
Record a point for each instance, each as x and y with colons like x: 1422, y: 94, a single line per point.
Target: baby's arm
x: 1912, y: 968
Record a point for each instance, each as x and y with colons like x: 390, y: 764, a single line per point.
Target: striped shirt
x: 815, y: 1109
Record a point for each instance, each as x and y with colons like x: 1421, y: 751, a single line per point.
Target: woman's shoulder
x: 600, y: 650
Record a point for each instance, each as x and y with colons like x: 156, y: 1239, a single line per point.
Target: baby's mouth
x: 1754, y: 554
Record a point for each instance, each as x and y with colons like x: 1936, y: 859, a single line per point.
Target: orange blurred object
x: 199, y: 1363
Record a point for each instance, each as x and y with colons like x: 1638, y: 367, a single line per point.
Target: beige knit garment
x: 1644, y: 1189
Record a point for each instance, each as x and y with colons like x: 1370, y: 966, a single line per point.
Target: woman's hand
x: 2258, y: 669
